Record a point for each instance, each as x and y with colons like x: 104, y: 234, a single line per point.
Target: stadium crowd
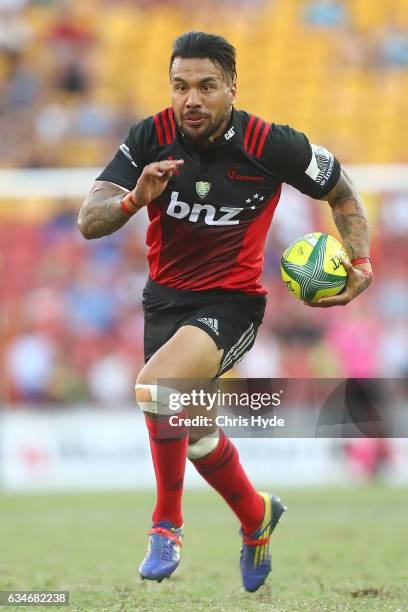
x: 72, y: 323
x: 71, y: 319
x: 74, y: 75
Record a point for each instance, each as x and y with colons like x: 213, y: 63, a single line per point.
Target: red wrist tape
x: 360, y: 260
x: 127, y: 196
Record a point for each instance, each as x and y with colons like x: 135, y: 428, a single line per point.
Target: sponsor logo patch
x: 225, y: 215
x: 321, y: 165
x: 236, y: 174
x: 230, y: 133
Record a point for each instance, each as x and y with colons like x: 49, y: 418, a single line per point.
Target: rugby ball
x: 312, y: 267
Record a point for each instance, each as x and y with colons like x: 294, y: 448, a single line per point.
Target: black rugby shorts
x: 231, y: 318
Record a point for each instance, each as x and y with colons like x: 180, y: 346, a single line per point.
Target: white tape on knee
x: 156, y: 399
x: 204, y: 446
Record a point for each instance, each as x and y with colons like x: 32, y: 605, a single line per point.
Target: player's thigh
x: 189, y: 353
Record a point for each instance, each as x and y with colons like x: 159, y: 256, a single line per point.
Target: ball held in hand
x: 312, y: 267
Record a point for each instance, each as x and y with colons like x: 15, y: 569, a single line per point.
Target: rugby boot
x: 255, y: 558
x: 163, y: 552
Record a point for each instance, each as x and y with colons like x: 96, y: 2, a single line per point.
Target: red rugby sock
x: 223, y: 471
x: 168, y: 446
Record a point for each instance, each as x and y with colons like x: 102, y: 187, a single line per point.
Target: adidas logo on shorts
x: 212, y: 323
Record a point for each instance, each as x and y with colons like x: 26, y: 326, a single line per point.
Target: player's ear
x: 233, y: 91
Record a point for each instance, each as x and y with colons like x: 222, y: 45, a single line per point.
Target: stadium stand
x: 75, y: 75
x: 109, y: 60
x: 72, y: 323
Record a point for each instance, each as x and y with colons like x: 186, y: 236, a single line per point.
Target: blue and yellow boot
x: 163, y: 553
x: 255, y: 555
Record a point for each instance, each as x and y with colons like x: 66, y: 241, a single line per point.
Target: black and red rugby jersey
x: 208, y: 228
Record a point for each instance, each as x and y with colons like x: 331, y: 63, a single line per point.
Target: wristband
x: 123, y: 203
x: 360, y: 260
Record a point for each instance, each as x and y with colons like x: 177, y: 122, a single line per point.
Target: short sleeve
x: 310, y: 168
x: 127, y: 165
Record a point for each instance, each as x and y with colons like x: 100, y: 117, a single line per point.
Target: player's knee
x: 200, y: 447
x: 156, y: 399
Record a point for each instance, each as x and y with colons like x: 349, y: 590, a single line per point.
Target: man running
x: 210, y: 177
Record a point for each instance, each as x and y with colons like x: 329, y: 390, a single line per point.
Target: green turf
x: 334, y: 550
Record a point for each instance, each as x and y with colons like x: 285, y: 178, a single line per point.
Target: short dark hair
x: 203, y: 45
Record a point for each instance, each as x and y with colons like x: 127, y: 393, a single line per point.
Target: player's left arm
x: 350, y: 217
x: 314, y: 171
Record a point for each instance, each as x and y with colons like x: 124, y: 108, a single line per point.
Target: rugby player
x: 210, y: 176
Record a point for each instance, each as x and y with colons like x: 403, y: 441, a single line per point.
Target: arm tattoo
x: 350, y: 217
x: 101, y: 214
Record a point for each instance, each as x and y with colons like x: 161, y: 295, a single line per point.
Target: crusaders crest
x: 203, y: 188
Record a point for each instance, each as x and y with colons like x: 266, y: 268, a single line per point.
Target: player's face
x: 202, y: 98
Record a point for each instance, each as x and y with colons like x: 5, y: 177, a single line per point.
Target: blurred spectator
x: 393, y: 298
x: 91, y: 301
x: 368, y: 458
x: 30, y: 361
x: 93, y: 119
x: 354, y: 50
x: 111, y: 381
x: 70, y: 40
x: 325, y: 14
x: 393, y: 48
x: 263, y: 360
x: 15, y: 32
x: 68, y: 34
x: 71, y: 76
x: 394, y: 214
x: 21, y: 87
x: 392, y: 350
x: 52, y: 123
x: 353, y: 339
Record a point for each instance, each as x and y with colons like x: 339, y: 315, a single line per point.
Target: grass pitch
x: 334, y: 550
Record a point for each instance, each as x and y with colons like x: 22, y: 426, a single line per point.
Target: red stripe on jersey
x: 171, y: 119
x: 169, y: 139
x: 154, y: 238
x: 248, y: 131
x: 255, y: 136
x: 158, y: 129
x: 263, y: 138
x: 246, y: 274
